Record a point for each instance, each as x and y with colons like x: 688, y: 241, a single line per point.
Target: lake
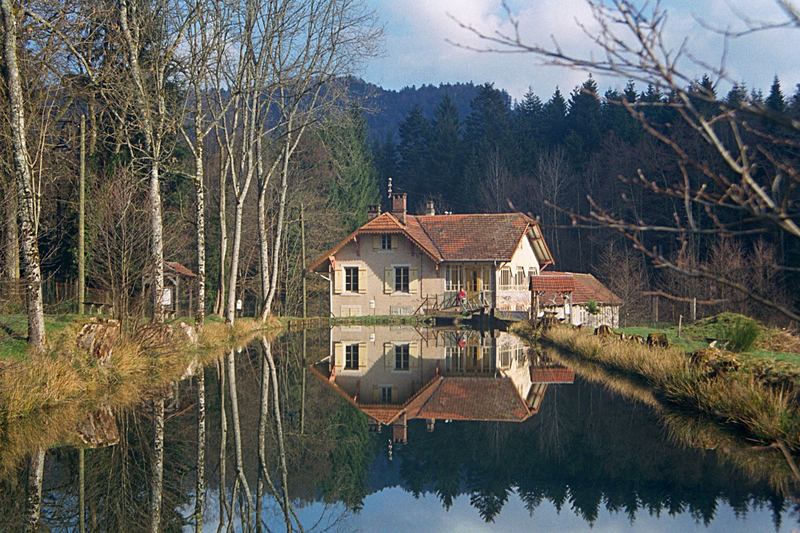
x: 397, y: 428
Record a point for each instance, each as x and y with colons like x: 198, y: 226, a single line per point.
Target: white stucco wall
x: 373, y: 261
x: 518, y: 298
x: 608, y: 315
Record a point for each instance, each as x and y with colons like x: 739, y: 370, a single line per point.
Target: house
x: 398, y: 374
x: 399, y: 264
x: 573, y: 297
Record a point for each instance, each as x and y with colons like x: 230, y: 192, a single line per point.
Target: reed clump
x: 736, y: 397
x: 44, y: 398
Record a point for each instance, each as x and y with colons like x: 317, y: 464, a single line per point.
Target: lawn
x: 770, y: 345
x: 14, y: 332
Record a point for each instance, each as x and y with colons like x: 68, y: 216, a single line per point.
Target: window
x: 401, y: 356
x: 519, y: 278
x: 351, y: 357
x: 505, y: 278
x: 386, y: 394
x: 351, y: 279
x: 454, y: 276
x: 386, y: 242
x: 401, y: 279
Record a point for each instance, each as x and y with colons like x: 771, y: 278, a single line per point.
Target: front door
x: 474, y: 277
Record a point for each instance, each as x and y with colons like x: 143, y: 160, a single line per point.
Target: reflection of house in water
x: 397, y: 374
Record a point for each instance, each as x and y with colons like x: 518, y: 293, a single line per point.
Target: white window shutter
x: 388, y: 280
x: 362, y: 280
x: 388, y: 355
x: 338, y: 281
x: 413, y: 355
x: 362, y: 355
x: 338, y: 354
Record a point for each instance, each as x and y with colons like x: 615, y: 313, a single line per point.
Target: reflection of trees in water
x: 587, y: 450
x: 610, y: 455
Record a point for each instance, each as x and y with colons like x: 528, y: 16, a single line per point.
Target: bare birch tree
x: 26, y: 208
x: 318, y: 42
x: 150, y: 95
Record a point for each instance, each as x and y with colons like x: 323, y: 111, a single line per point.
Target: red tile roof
x: 472, y: 237
x: 556, y: 284
x: 586, y: 288
x: 180, y: 269
x: 474, y: 398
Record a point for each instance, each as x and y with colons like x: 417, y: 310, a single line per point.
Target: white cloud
x: 418, y: 51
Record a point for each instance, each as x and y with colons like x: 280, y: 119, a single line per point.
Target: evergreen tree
x: 487, y: 140
x: 554, y: 118
x: 414, y: 152
x: 583, y: 118
x: 385, y: 156
x: 775, y: 101
x: 355, y: 184
x: 528, y: 125
x: 446, y: 163
x: 737, y: 95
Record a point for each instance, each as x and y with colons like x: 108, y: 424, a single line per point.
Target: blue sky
x: 416, y: 51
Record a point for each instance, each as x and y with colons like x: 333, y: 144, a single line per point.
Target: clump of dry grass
x: 44, y: 398
x: 736, y: 398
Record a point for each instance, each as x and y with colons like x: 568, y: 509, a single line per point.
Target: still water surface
x: 404, y: 429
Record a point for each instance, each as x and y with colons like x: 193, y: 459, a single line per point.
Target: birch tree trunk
x: 200, y: 488
x: 200, y: 215
x: 263, y: 415
x: 152, y: 148
x: 276, y: 413
x: 224, y: 510
x: 157, y: 474
x: 219, y: 306
x: 30, y: 263
x: 33, y: 504
x: 237, y: 434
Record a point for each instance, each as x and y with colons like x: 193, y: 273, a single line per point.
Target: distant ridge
x: 385, y: 109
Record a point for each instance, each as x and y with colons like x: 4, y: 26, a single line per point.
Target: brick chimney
x: 373, y: 211
x: 430, y: 208
x: 399, y: 203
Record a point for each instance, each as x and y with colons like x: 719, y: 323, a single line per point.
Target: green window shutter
x: 413, y: 281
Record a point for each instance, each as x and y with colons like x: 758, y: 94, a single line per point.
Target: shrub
x: 592, y: 307
x: 741, y: 334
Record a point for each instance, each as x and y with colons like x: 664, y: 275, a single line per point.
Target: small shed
x: 568, y: 296
x: 177, y: 278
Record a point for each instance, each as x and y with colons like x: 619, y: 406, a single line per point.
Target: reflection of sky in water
x: 394, y: 509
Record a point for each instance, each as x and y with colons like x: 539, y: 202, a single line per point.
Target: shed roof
x: 180, y: 269
x: 586, y: 288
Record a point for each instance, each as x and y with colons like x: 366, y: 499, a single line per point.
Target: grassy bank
x: 44, y: 397
x: 14, y: 333
x: 770, y: 343
x: 737, y: 398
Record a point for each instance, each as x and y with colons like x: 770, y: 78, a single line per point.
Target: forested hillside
x: 547, y: 155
